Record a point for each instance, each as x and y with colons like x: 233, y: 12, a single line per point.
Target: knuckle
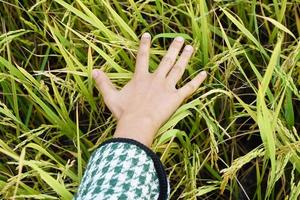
x: 142, y: 53
x: 191, y: 87
x: 167, y: 59
x: 181, y: 93
x: 170, y: 85
x: 177, y: 68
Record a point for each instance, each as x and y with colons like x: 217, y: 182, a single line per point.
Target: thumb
x: 103, y: 83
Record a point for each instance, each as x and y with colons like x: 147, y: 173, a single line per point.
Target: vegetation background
x: 237, y: 137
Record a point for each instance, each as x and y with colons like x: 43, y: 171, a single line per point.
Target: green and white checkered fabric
x: 117, y: 171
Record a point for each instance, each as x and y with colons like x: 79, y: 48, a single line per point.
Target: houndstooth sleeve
x: 123, y: 168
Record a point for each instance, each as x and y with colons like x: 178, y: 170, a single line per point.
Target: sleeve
x: 123, y: 168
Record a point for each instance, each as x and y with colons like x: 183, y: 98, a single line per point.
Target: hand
x: 148, y: 100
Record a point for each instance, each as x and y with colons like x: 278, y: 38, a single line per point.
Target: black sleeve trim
x: 161, y: 173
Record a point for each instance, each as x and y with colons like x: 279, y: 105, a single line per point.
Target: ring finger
x: 178, y: 69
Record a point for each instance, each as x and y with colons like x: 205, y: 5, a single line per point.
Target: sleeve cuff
x: 164, y: 187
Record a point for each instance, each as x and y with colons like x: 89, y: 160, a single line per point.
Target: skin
x: 148, y: 100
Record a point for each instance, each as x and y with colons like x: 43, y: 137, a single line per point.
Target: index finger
x: 142, y: 59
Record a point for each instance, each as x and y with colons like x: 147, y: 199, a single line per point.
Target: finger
x: 189, y: 88
x: 142, y: 59
x: 103, y: 83
x: 178, y: 69
x: 169, y: 59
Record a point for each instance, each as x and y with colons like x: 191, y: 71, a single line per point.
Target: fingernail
x: 189, y: 47
x: 95, y: 73
x: 203, y: 73
x: 179, y: 39
x: 146, y: 35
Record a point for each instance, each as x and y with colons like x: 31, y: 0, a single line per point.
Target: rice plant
x: 237, y: 137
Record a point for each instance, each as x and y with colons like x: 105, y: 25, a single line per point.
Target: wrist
x: 141, y: 129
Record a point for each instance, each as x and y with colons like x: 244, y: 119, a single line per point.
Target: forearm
x: 123, y: 168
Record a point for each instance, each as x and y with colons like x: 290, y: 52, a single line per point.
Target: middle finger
x: 169, y: 59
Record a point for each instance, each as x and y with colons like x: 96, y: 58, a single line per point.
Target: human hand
x: 148, y: 100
